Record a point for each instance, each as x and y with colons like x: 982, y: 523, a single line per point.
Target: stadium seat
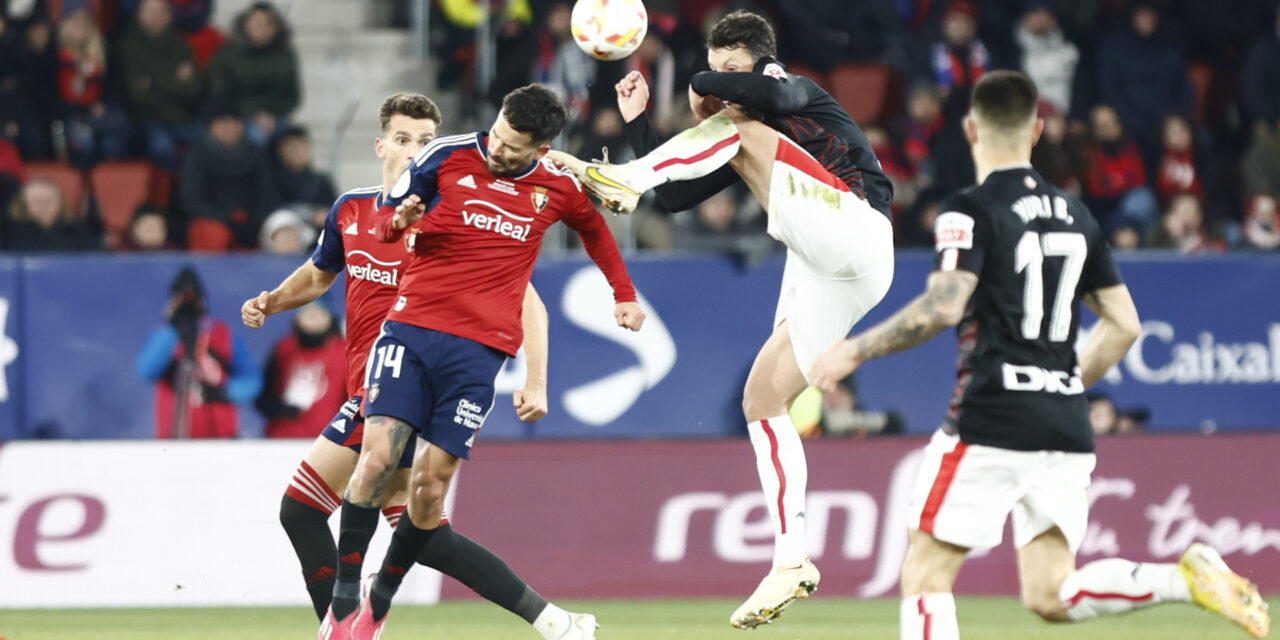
x: 120, y: 186
x: 862, y: 89
x: 69, y: 179
x: 204, y: 43
x: 810, y: 73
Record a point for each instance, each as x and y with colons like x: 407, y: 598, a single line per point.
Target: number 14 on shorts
x: 387, y: 356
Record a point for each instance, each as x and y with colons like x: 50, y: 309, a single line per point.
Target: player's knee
x: 428, y: 489
x: 296, y: 516
x: 755, y: 407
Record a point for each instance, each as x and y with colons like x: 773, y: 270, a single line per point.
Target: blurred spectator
x: 960, y: 58
x: 257, y: 72
x: 1117, y: 182
x: 201, y: 369
x: 1048, y: 58
x: 1261, y: 223
x: 1178, y: 172
x: 226, y: 186
x: 1260, y: 81
x: 95, y: 131
x: 1126, y: 237
x: 1143, y: 76
x: 1052, y: 155
x: 1131, y: 421
x: 285, y: 233
x: 27, y: 108
x: 12, y: 172
x: 1183, y: 229
x: 562, y: 66
x: 1102, y: 413
x: 40, y: 219
x: 162, y: 83
x: 605, y: 133
x: 304, y: 381
x: 826, y: 33
x: 721, y: 225
x: 516, y: 51
x: 149, y: 230
x: 915, y: 225
x: 297, y: 182
x: 907, y: 182
x: 654, y: 60
x: 923, y: 122
x: 1261, y: 166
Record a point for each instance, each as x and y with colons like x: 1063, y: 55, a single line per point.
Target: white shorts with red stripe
x: 965, y: 492
x: 839, y: 252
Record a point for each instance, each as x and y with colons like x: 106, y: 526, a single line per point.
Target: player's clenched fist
x: 530, y: 402
x: 629, y: 315
x: 254, y: 310
x: 633, y: 95
x: 834, y: 365
x: 409, y: 212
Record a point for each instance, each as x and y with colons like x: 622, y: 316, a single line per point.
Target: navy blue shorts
x: 439, y: 383
x: 347, y: 430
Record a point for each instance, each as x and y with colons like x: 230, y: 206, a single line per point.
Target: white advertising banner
x: 163, y: 523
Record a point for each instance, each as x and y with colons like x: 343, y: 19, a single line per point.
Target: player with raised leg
x: 827, y: 200
x: 456, y: 320
x: 409, y: 122
x: 1015, y: 256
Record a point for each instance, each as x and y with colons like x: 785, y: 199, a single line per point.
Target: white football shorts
x: 964, y: 493
x: 839, y: 253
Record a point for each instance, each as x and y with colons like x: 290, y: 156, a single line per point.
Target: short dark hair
x: 535, y: 110
x: 1006, y: 100
x: 744, y: 29
x: 413, y: 105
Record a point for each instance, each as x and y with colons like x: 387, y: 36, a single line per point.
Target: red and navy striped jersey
x: 476, y: 246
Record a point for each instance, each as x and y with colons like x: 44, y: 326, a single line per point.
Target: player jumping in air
x: 409, y: 122
x: 814, y: 172
x: 1015, y: 256
x: 490, y: 198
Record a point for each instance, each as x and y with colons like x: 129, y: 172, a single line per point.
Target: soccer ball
x: 608, y: 29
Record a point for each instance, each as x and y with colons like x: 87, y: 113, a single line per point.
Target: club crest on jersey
x: 374, y: 390
x: 540, y: 199
x: 411, y: 239
x: 774, y: 70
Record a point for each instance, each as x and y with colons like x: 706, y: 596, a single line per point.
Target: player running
x: 828, y: 201
x: 409, y: 122
x: 456, y: 320
x: 1015, y: 256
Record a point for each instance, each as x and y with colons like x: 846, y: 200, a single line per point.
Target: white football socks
x: 692, y: 154
x: 929, y: 616
x: 1114, y: 585
x: 784, y: 475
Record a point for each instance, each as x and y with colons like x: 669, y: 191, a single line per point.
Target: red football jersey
x: 374, y: 270
x: 476, y: 246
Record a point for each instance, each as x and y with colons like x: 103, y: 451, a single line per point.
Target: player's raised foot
x: 333, y: 629
x: 1217, y: 588
x: 780, y: 588
x: 604, y: 180
x: 364, y: 627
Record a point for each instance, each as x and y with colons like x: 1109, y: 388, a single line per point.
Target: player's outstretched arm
x: 305, y: 284
x: 531, y: 399
x: 771, y: 94
x: 940, y: 306
x: 1118, y: 327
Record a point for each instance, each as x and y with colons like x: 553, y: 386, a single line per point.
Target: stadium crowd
x: 1163, y: 115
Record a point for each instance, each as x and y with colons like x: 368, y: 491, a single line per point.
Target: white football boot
x: 778, y: 589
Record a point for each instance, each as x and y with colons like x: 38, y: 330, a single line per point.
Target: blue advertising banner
x: 12, y: 358
x: 72, y: 327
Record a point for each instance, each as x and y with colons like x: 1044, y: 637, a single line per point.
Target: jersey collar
x: 1011, y: 167
x: 482, y: 136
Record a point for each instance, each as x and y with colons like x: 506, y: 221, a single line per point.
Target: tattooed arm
x: 939, y: 307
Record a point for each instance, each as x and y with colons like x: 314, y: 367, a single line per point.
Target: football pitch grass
x: 816, y: 619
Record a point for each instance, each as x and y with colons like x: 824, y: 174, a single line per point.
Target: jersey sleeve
x: 961, y: 234
x: 1100, y: 269
x: 421, y: 178
x: 329, y: 254
x: 768, y: 90
x: 582, y: 217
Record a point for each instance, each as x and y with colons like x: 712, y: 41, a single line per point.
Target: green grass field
x: 818, y: 619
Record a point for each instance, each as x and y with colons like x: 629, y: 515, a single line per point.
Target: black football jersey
x: 1036, y: 251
